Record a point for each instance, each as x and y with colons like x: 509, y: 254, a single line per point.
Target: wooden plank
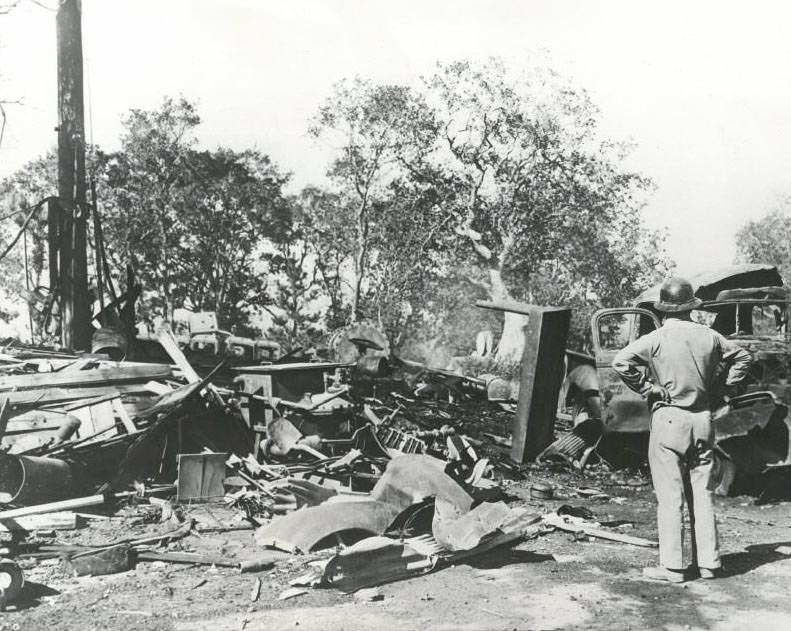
x: 99, y: 376
x: 248, y: 565
x: 277, y: 368
x: 606, y: 534
x: 88, y: 402
x: 61, y: 520
x: 53, y: 507
x: 123, y: 415
x: 516, y: 307
x: 158, y: 388
x: 266, y: 385
x: 52, y: 396
x: 96, y: 419
x: 24, y: 423
x: 5, y: 367
x: 76, y: 366
x: 171, y: 346
x: 541, y: 378
x: 546, y: 333
x: 201, y: 477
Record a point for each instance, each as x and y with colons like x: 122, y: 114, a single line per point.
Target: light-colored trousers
x: 681, y: 460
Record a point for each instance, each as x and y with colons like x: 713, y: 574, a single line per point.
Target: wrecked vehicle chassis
x: 748, y: 305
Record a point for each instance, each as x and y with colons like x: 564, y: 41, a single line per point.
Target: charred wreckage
x: 397, y: 468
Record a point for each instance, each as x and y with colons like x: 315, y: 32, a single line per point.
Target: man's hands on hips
x: 654, y: 394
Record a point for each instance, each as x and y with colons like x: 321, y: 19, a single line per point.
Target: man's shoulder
x: 688, y: 328
x: 686, y: 325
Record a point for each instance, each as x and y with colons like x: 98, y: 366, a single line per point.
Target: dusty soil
x: 554, y: 582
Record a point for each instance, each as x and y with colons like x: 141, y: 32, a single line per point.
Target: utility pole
x: 72, y: 212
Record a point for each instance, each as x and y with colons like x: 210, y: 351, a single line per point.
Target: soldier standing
x: 681, y: 360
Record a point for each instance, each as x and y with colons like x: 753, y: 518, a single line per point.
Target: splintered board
x: 97, y: 419
x: 201, y: 477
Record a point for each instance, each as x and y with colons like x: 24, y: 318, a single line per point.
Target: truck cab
x: 750, y: 306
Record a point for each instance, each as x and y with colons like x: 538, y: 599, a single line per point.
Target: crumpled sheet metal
x: 375, y: 561
x: 302, y: 530
x: 410, y: 479
x: 753, y: 432
x: 463, y: 531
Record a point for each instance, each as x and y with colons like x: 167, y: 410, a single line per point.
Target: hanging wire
x: 25, y: 224
x: 44, y: 6
x: 13, y: 214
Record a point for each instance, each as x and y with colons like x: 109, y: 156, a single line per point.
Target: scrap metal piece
x: 303, y: 530
x: 464, y: 531
x: 395, y: 439
x: 28, y: 480
x: 751, y: 412
x: 343, y: 343
x: 11, y: 582
x: 100, y: 562
x: 407, y: 480
x: 375, y: 561
x: 304, y: 492
x: 577, y: 445
x: 410, y: 479
x: 752, y: 434
x: 282, y: 433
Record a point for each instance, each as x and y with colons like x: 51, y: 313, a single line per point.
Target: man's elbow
x: 619, y: 366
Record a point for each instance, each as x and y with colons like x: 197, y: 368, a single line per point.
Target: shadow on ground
x: 504, y: 557
x: 752, y: 557
x: 31, y: 595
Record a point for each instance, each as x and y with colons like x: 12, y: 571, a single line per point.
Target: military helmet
x: 676, y: 295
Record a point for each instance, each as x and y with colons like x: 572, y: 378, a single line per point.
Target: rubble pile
x: 391, y: 473
x: 371, y: 468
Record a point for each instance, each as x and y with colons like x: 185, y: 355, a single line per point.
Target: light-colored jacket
x: 682, y: 357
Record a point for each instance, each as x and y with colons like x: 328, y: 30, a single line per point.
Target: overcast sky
x: 703, y: 89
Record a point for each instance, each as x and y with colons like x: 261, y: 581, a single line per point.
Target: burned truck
x: 748, y: 304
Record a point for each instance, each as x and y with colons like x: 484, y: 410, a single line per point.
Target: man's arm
x: 737, y: 358
x: 628, y: 361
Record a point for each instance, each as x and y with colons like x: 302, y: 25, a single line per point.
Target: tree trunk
x: 359, y: 258
x: 357, y: 288
x: 512, y: 340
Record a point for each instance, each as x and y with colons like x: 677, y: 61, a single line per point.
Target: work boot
x: 663, y: 574
x: 709, y: 573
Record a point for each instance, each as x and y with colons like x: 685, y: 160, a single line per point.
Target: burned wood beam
x: 541, y: 375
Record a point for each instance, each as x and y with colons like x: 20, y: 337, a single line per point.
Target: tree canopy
x: 517, y: 190
x: 481, y: 181
x: 765, y: 240
x: 191, y: 222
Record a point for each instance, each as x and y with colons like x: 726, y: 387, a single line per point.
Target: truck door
x: 622, y: 409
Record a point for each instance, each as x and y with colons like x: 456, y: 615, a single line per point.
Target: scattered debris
x: 255, y: 592
x: 292, y: 592
x: 396, y: 469
x: 371, y: 594
x: 11, y: 582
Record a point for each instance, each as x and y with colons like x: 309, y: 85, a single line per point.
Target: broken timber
x: 541, y: 375
x: 85, y: 378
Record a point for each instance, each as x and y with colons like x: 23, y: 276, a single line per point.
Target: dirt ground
x: 553, y: 582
